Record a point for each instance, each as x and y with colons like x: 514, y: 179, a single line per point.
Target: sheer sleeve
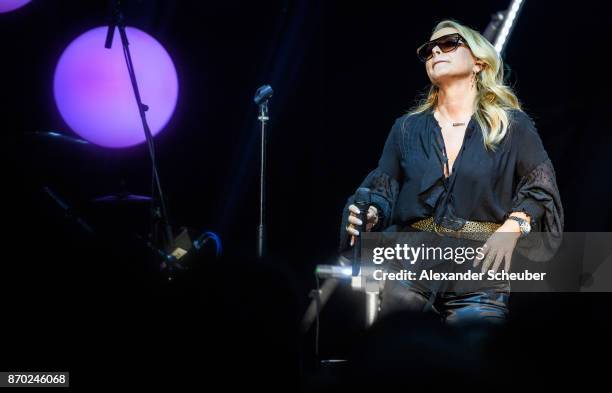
x: 383, y: 182
x: 537, y: 195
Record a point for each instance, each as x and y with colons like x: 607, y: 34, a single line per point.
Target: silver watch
x: 524, y: 225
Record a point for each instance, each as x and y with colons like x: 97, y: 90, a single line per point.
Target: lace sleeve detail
x: 537, y: 195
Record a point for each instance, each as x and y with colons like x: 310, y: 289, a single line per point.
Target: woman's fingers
x: 507, y: 261
x: 352, y: 231
x: 354, y: 220
x: 488, y: 260
x: 372, y: 213
x: 498, y: 260
x: 495, y: 251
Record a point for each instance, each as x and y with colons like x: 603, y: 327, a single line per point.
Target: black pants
x: 457, y: 303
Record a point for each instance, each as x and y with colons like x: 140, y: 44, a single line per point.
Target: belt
x: 475, y: 230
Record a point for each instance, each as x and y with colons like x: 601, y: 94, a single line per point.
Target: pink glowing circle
x: 11, y: 5
x: 93, y: 91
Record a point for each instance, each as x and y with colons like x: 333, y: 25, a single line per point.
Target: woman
x: 466, y: 159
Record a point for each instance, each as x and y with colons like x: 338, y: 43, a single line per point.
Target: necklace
x: 454, y: 124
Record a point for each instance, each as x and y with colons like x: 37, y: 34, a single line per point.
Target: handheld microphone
x: 363, y: 199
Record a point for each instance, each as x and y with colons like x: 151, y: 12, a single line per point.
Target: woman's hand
x: 354, y: 221
x: 499, y: 247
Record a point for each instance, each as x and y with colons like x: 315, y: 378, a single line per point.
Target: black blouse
x: 409, y: 182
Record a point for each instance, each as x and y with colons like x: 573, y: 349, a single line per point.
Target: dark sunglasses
x: 446, y: 43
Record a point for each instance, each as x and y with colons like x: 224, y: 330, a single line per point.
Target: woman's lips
x: 439, y: 61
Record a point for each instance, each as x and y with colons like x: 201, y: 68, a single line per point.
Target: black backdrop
x: 342, y: 72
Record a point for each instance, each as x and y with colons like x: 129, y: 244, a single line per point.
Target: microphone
x: 363, y: 199
x: 263, y: 94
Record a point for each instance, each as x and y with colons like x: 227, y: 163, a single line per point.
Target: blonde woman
x: 467, y: 158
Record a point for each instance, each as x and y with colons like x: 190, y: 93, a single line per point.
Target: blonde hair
x: 493, y: 97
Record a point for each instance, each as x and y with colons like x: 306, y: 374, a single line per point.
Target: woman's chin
x: 443, y: 77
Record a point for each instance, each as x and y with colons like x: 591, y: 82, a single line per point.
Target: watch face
x: 526, y: 226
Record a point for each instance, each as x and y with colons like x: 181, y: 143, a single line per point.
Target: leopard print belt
x: 475, y: 230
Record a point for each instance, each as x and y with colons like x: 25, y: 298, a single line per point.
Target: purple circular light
x: 93, y: 91
x: 11, y: 5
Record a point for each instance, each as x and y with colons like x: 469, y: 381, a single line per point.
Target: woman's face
x: 457, y: 64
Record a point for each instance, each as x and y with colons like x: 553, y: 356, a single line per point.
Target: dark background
x: 342, y: 72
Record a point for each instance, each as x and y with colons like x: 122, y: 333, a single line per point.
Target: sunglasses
x: 446, y: 43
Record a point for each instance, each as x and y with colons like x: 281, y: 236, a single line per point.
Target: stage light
x: 507, y: 26
x: 11, y: 5
x: 93, y: 91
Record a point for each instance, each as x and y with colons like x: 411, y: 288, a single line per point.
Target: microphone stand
x: 262, y: 96
x: 159, y: 214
